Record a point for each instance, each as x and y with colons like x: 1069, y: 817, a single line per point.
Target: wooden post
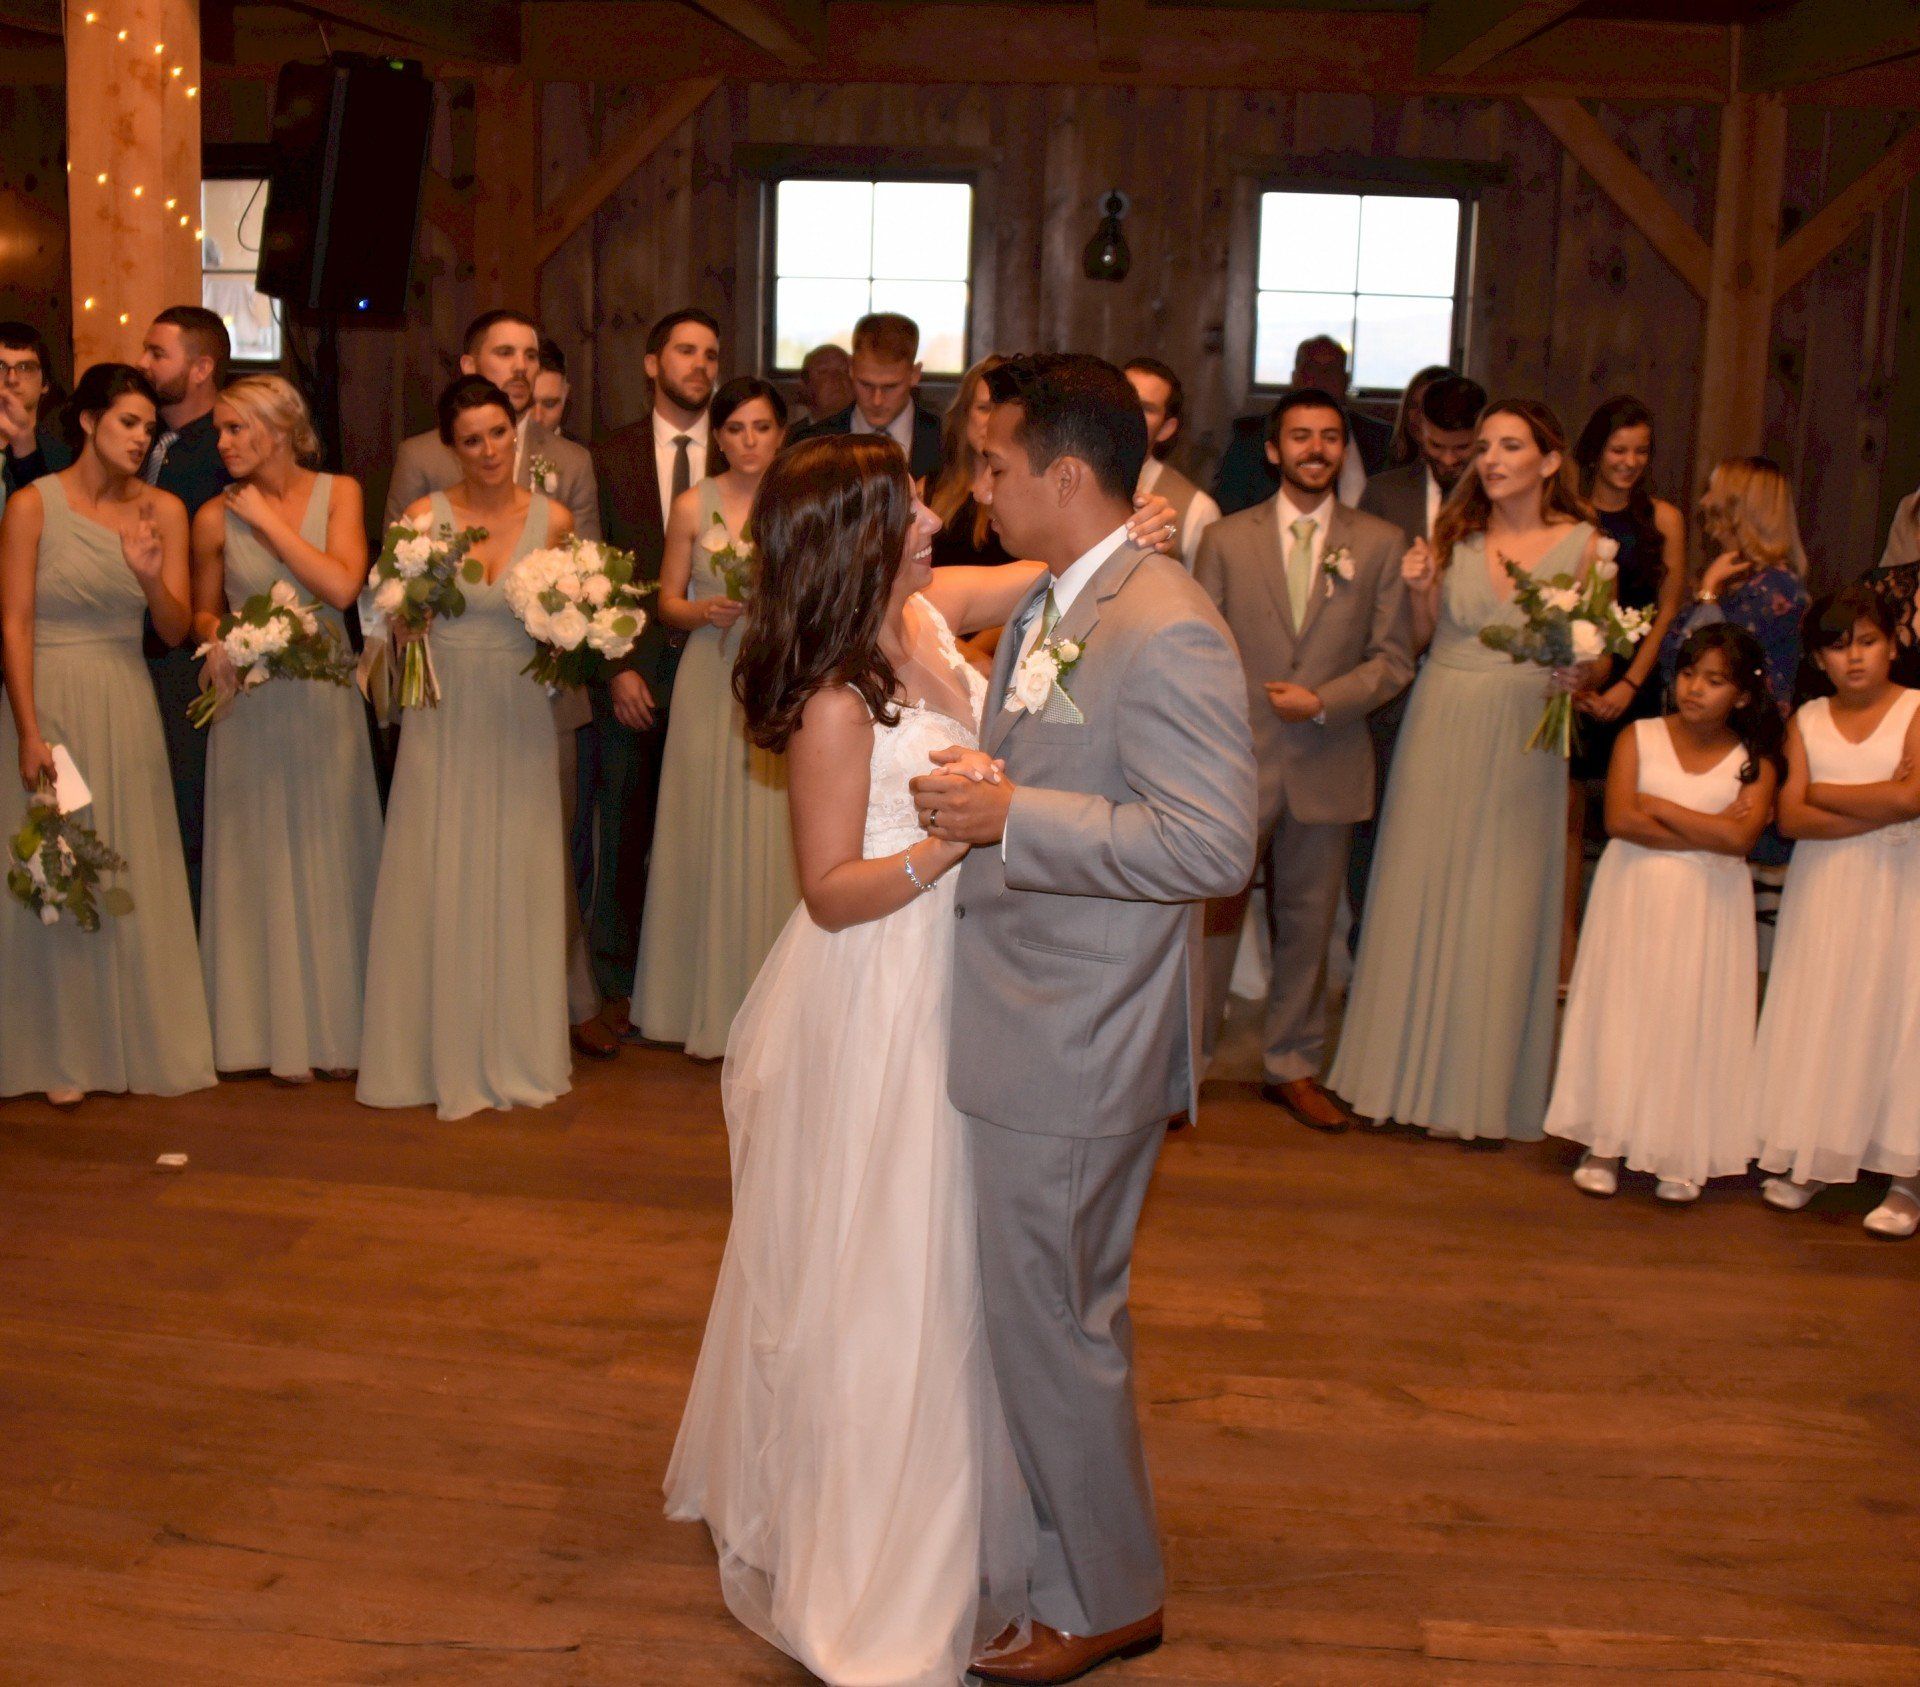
x: 133, y: 187
x: 1740, y: 292
x: 507, y: 165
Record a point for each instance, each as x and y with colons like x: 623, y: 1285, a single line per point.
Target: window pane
x: 824, y: 228
x: 1409, y: 245
x: 922, y: 231
x: 1282, y: 320
x: 810, y: 313
x: 230, y: 214
x: 1399, y: 337
x: 1309, y: 242
x: 940, y: 307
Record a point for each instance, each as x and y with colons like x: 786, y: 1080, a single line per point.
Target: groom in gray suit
x: 1119, y: 712
x: 1313, y: 593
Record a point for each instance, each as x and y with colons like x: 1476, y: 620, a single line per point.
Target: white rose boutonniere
x: 1336, y: 566
x: 1044, y: 667
x: 542, y: 473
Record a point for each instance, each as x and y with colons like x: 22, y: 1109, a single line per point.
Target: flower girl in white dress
x: 1659, y: 1023
x: 1833, y: 1085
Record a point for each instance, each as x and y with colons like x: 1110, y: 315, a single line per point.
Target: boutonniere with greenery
x: 1336, y: 566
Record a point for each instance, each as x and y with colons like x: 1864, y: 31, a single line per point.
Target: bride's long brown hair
x: 829, y: 523
x: 1468, y: 506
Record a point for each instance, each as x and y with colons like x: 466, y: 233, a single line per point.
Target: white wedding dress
x: 843, y: 1438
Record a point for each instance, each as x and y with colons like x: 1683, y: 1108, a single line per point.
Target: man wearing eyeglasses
x: 29, y: 446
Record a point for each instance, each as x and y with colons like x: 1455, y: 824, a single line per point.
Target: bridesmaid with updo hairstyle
x: 293, y: 814
x: 84, y: 555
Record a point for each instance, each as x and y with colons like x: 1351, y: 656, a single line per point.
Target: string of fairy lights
x: 138, y: 190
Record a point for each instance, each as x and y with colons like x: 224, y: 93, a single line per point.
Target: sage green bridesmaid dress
x: 723, y: 880
x: 292, y: 849
x: 466, y: 982
x: 120, y: 1009
x: 1450, y: 1020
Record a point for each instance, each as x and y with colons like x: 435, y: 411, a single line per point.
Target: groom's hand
x: 962, y: 809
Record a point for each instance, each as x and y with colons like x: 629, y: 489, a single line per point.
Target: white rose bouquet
x: 55, y: 864
x: 579, y: 604
x: 415, y: 578
x: 730, y: 558
x: 273, y: 635
x: 1566, y: 622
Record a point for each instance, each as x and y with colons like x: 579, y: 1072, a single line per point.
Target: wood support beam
x: 1629, y: 187
x: 1740, y: 290
x: 507, y: 172
x: 487, y: 31
x: 450, y: 211
x: 1805, y: 250
x: 1459, y: 36
x: 38, y: 17
x: 133, y: 189
x: 794, y: 31
x: 1815, y: 39
x: 668, y: 109
x: 1119, y: 27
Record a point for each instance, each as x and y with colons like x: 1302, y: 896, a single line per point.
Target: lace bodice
x: 904, y: 750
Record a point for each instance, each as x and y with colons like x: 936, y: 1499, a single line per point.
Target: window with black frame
x: 1380, y: 272
x: 843, y: 247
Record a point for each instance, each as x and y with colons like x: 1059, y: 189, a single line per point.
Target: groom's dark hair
x: 1074, y: 405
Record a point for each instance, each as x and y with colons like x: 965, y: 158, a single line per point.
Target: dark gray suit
x: 1076, y: 974
x: 1400, y: 496
x: 1316, y: 778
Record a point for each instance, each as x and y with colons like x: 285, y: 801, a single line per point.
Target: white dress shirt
x: 1353, y: 477
x: 1435, y: 498
x: 899, y: 430
x: 1201, y: 514
x: 664, y: 434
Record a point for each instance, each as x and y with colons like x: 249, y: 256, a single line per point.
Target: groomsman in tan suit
x: 1163, y: 402
x: 1312, y: 592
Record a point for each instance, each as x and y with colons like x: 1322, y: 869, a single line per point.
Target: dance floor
x: 363, y: 1397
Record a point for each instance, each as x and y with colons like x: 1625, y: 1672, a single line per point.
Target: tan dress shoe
x: 1309, y: 1101
x: 1050, y: 1657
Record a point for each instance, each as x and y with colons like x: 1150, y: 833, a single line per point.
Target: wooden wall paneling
x: 34, y: 285
x: 1901, y: 471
x: 1516, y: 240
x: 566, y: 295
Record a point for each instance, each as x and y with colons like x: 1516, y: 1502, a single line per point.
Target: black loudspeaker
x: 350, y: 140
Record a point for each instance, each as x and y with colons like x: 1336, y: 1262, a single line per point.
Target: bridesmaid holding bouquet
x: 84, y: 554
x: 467, y: 986
x: 293, y: 815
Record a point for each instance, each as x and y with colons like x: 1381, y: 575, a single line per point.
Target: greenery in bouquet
x: 55, y: 865
x: 580, y: 604
x: 730, y: 558
x: 416, y: 578
x: 1566, y: 622
x: 273, y: 635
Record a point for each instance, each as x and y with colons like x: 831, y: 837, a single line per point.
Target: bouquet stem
x: 1555, y: 733
x: 419, y: 684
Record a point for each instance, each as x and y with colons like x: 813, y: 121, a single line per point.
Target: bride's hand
x: 1152, y: 523
x: 976, y: 765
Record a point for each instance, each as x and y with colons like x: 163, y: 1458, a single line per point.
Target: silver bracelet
x: 919, y: 884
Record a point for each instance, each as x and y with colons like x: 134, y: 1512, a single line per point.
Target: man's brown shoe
x: 1308, y: 1100
x: 1050, y: 1657
x: 592, y: 1038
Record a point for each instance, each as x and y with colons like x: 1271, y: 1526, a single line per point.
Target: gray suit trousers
x: 1057, y: 1217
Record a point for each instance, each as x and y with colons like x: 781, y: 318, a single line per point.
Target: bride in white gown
x: 843, y: 1439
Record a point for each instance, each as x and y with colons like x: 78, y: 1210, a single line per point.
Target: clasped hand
x: 966, y: 799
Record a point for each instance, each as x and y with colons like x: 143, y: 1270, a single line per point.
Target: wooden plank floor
x: 363, y: 1397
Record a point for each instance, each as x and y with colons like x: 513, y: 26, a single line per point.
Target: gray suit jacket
x: 1400, y: 496
x: 1076, y: 973
x: 1355, y: 652
x: 425, y: 464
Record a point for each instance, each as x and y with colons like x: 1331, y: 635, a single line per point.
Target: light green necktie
x: 1300, y: 570
x: 1049, y: 618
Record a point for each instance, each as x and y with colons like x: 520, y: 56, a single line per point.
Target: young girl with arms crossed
x: 1659, y: 1023
x: 1833, y: 1070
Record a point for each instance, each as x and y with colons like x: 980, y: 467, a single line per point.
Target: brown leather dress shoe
x: 592, y: 1038
x: 1309, y: 1101
x: 1050, y: 1657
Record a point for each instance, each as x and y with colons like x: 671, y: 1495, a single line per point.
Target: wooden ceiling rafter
x: 1816, y: 40
x: 1822, y: 234
x: 486, y: 31
x: 666, y: 111
x: 793, y: 31
x: 1458, y: 37
x: 1119, y: 29
x: 36, y: 17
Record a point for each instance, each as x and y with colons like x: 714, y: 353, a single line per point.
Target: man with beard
x: 643, y: 467
x: 185, y: 356
x: 1410, y: 498
x: 1313, y: 593
x: 504, y: 346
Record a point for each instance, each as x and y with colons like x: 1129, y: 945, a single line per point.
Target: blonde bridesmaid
x: 84, y: 554
x: 723, y: 881
x: 467, y: 984
x: 293, y: 814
